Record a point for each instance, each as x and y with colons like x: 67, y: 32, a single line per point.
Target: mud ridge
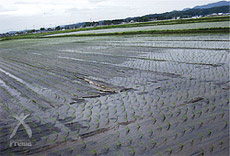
x: 192, y: 101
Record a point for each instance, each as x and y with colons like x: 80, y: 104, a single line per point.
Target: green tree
x: 58, y: 28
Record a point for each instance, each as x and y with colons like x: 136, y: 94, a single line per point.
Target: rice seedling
x: 150, y: 112
x: 46, y: 138
x: 89, y: 117
x: 176, y: 135
x: 64, y: 138
x: 132, y: 150
x: 154, y: 143
x: 181, y: 146
x: 207, y: 109
x: 214, y: 107
x: 201, y: 136
x: 58, y: 153
x: 94, y: 152
x: 88, y: 125
x: 200, y: 112
x: 169, y: 151
x: 67, y: 132
x: 178, y: 111
x: 208, y: 100
x: 184, y: 130
x: 174, y: 105
x: 127, y: 130
x: 162, y: 103
x: 151, y: 131
x: 56, y: 135
x: 209, y: 132
x: 165, y: 139
x: 223, y: 113
x: 185, y: 118
x: 221, y: 143
x: 10, y: 153
x: 202, y: 152
x: 141, y: 136
x: 211, y: 148
x: 39, y: 130
x: 68, y: 107
x: 169, y: 125
x: 118, y: 143
x: 194, y: 107
x: 106, y: 148
x: 159, y: 153
x: 84, y: 143
x: 192, y: 141
x: 57, y: 115
x: 154, y: 121
x: 71, y: 149
x: 201, y: 123
x: 160, y: 128
x: 164, y: 117
x: 98, y: 123
x: 225, y: 123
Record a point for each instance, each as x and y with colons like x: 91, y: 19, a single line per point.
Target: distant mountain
x: 185, y: 9
x: 211, y: 5
x: 12, y: 32
x: 183, y: 14
x: 217, y: 4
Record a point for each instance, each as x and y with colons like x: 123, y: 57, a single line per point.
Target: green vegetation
x: 94, y: 152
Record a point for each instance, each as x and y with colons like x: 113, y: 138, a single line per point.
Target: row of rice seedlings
x: 16, y: 100
x: 34, y: 68
x: 44, y: 75
x: 38, y: 79
x: 6, y: 107
x: 26, y: 96
x: 40, y: 95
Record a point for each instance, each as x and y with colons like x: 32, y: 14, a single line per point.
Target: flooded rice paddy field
x: 121, y: 95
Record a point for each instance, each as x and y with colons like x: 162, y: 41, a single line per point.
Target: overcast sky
x: 29, y: 14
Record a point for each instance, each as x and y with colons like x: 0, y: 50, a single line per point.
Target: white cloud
x: 96, y: 1
x: 5, y: 9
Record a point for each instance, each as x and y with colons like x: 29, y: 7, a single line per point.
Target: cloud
x: 25, y: 2
x: 96, y: 1
x: 76, y: 11
x: 4, y: 9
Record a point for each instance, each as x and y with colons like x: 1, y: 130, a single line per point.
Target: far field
x: 222, y: 24
x: 117, y: 95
